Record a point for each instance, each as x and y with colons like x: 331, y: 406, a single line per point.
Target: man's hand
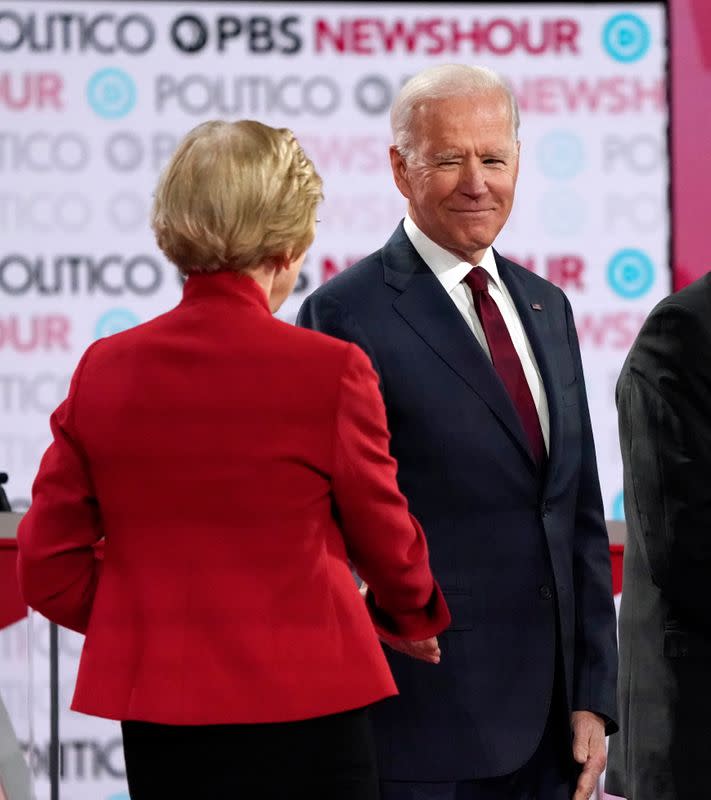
x: 425, y: 650
x: 588, y: 750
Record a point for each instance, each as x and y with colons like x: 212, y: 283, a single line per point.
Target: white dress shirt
x: 450, y: 272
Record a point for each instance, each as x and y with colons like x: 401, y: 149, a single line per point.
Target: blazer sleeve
x: 384, y: 541
x: 665, y: 435
x: 595, y: 671
x: 57, y: 567
x: 322, y: 312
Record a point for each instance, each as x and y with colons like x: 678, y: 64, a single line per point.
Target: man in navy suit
x: 480, y: 369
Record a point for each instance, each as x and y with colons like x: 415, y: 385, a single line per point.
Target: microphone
x: 4, y: 502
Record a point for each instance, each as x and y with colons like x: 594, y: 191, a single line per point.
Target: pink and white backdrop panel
x: 95, y: 96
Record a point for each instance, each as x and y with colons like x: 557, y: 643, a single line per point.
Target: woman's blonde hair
x: 235, y: 195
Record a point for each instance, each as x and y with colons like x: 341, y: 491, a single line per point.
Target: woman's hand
x: 426, y: 650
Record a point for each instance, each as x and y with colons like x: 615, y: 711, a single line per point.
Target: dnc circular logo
x: 618, y: 507
x: 626, y: 37
x: 560, y: 154
x: 111, y: 93
x: 630, y: 273
x: 115, y: 321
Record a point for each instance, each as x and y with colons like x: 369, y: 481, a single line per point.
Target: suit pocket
x: 459, y: 602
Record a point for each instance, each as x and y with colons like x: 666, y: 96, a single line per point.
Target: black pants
x: 326, y: 758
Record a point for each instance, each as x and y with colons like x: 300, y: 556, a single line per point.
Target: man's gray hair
x: 440, y: 82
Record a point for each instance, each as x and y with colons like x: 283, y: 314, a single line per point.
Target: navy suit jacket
x: 522, y: 557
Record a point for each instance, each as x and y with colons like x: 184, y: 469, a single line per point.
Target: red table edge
x: 12, y: 609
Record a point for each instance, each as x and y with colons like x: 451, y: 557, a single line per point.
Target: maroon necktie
x: 506, y: 361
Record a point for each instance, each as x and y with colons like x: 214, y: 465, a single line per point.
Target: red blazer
x: 235, y: 466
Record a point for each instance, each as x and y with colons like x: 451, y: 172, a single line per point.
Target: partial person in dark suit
x: 480, y: 369
x: 664, y: 692
x: 235, y: 466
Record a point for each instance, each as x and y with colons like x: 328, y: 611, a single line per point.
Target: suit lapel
x: 430, y: 312
x: 537, y: 326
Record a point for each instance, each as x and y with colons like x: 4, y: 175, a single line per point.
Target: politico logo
x: 81, y: 759
x: 44, y: 212
x: 44, y: 152
x: 642, y: 154
x: 72, y: 32
x: 295, y: 95
x: 37, y: 393
x: 70, y: 212
x: 455, y: 36
x: 112, y: 275
x: 126, y: 151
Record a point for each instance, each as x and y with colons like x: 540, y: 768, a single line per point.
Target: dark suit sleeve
x: 664, y: 402
x: 384, y: 541
x: 595, y: 673
x: 57, y: 567
x: 322, y: 312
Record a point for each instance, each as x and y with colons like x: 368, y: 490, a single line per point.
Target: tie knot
x: 477, y: 280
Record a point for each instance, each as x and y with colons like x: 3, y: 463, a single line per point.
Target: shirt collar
x: 449, y: 269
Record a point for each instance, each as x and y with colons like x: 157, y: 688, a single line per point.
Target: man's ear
x: 400, y: 173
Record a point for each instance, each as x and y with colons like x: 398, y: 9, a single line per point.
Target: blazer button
x: 546, y: 508
x: 545, y: 592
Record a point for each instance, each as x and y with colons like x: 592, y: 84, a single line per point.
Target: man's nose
x: 472, y: 179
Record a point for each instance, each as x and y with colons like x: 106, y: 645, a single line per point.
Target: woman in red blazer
x: 234, y: 467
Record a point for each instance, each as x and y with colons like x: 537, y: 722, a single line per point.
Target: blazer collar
x: 425, y: 305
x: 228, y: 285
x: 428, y: 309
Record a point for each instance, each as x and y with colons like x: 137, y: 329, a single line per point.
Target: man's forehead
x: 493, y: 101
x: 453, y: 138
x: 458, y: 116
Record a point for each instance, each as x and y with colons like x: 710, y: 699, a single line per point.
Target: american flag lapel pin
x: 536, y: 306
